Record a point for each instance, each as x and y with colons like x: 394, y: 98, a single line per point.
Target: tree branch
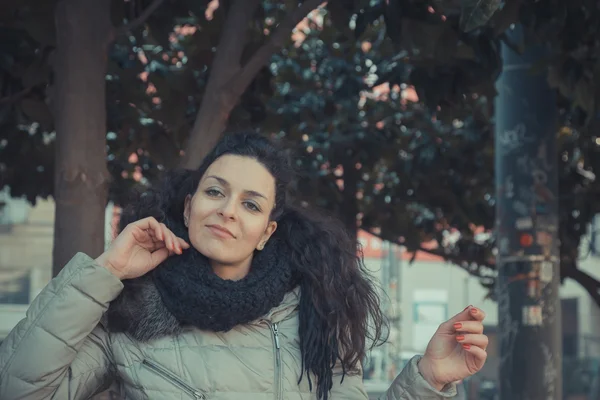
x: 589, y: 283
x: 212, y: 117
x: 454, y: 259
x: 122, y: 30
x: 13, y: 98
x: 276, y: 41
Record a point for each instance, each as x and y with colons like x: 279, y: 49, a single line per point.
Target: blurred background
x: 458, y: 138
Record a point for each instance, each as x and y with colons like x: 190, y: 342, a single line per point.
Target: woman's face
x: 228, y: 216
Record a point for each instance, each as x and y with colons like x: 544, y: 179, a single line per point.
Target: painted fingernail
x: 460, y: 338
x: 466, y: 346
x: 474, y: 311
x: 457, y: 325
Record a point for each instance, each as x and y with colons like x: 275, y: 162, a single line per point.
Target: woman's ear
x: 271, y: 228
x: 187, y: 209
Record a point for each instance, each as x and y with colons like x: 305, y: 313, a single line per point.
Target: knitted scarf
x: 196, y: 296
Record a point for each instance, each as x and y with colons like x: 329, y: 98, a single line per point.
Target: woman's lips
x: 220, y: 231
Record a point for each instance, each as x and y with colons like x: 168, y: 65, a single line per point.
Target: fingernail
x: 467, y: 307
x: 460, y: 338
x: 466, y: 346
x: 457, y: 325
x: 474, y: 311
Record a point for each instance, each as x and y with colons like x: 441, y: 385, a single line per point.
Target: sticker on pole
x: 524, y: 223
x: 532, y: 316
x: 546, y: 272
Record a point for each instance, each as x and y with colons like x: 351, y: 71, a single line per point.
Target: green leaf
x: 476, y: 13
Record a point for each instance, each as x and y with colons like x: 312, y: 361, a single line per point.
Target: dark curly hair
x: 340, y: 314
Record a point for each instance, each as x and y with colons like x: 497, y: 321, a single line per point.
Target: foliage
x: 426, y: 169
x: 412, y: 171
x: 155, y: 83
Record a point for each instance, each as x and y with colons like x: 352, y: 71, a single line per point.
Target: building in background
x: 26, y: 238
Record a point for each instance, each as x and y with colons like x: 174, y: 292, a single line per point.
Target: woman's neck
x: 232, y: 272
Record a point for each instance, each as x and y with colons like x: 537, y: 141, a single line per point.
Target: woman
x: 252, y: 299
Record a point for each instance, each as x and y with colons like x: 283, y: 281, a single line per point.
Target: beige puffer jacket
x: 62, y: 351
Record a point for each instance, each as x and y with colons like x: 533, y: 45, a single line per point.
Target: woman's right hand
x: 140, y: 248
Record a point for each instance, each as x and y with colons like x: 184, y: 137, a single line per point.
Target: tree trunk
x: 221, y: 96
x: 79, y: 102
x: 228, y: 79
x: 527, y: 226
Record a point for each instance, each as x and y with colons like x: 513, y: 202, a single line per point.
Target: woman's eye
x: 213, y: 192
x: 252, y: 206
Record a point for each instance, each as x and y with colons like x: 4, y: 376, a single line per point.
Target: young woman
x: 218, y: 288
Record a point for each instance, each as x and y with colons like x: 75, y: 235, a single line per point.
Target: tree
x: 433, y: 179
x: 234, y: 68
x: 453, y: 60
x: 406, y: 164
x: 62, y: 89
x: 78, y: 105
x: 80, y: 170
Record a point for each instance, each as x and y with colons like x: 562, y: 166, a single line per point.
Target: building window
x: 15, y: 286
x: 595, y: 236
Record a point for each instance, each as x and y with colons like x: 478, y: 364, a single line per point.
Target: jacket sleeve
x: 409, y: 385
x: 351, y: 387
x: 60, y: 350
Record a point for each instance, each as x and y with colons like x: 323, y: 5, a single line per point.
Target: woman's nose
x: 227, y: 209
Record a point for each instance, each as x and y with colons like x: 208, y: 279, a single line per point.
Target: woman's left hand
x: 457, y: 350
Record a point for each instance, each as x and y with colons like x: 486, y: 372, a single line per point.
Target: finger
x: 153, y: 236
x: 168, y: 238
x: 478, y: 353
x: 464, y: 315
x: 183, y: 243
x: 149, y: 223
x: 176, y: 244
x: 171, y: 239
x: 477, y: 313
x: 159, y: 256
x: 173, y: 242
x: 159, y: 244
x: 478, y: 340
x: 468, y: 327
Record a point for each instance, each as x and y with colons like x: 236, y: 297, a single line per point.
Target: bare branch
x: 276, y: 41
x: 589, y: 283
x: 13, y: 98
x: 122, y: 30
x: 454, y: 259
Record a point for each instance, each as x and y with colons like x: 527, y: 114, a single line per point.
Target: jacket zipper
x: 174, y: 380
x: 278, y: 374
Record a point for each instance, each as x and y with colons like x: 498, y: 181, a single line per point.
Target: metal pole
x: 527, y: 228
x: 399, y: 266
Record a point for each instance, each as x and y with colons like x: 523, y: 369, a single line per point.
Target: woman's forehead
x: 241, y: 173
